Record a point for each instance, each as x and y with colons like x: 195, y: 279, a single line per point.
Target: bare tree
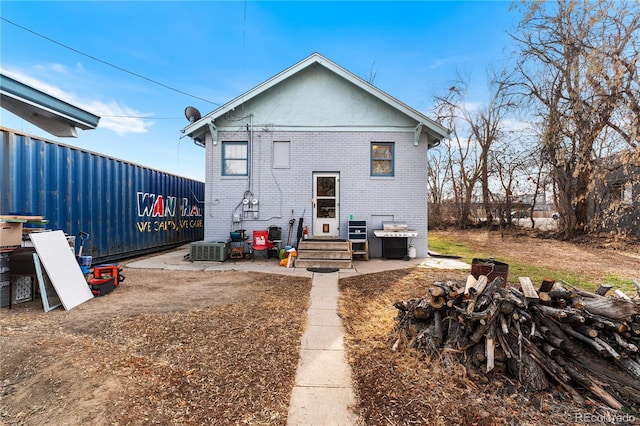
x: 512, y: 161
x: 482, y: 128
x: 461, y: 167
x: 580, y: 62
x: 438, y: 176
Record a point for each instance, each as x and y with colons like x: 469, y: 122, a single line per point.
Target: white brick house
x: 278, y: 145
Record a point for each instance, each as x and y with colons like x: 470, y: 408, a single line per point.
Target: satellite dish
x: 192, y: 114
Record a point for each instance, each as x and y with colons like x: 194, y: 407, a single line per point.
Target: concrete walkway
x: 323, y: 391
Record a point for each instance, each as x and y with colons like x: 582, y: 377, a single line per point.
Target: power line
x: 107, y: 63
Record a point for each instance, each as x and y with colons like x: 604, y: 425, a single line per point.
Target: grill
x: 394, y: 239
x: 395, y: 230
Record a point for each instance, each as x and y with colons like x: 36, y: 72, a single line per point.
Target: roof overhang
x: 43, y: 110
x: 434, y: 131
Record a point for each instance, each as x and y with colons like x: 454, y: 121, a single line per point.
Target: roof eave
x: 37, y: 107
x: 199, y: 127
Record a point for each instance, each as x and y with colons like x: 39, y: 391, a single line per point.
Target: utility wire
x: 107, y: 63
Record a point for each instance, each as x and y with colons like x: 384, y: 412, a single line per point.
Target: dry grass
x: 187, y: 348
x: 192, y: 348
x: 407, y: 387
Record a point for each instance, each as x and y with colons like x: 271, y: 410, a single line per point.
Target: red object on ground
x: 101, y: 286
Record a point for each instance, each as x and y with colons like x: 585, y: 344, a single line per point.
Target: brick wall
x: 279, y: 191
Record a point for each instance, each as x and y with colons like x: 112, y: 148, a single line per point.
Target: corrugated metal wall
x: 126, y: 208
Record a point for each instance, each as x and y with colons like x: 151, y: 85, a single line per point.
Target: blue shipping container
x: 127, y: 209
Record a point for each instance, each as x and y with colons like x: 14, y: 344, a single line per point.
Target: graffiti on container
x: 159, y: 213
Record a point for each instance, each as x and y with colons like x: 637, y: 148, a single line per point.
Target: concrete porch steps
x: 324, y: 254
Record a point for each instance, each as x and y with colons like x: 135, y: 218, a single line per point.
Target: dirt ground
x: 165, y: 347
x: 184, y: 347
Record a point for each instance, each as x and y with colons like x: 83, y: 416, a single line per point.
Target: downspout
x: 416, y: 135
x: 249, y: 170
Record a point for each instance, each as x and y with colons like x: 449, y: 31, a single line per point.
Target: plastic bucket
x: 85, y: 260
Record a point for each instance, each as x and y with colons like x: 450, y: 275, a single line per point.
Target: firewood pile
x: 587, y: 343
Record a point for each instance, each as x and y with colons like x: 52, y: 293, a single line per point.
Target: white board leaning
x: 62, y: 268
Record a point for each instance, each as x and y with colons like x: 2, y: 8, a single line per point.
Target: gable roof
x: 43, y: 110
x: 424, y: 124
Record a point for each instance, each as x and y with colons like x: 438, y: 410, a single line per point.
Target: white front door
x: 326, y: 205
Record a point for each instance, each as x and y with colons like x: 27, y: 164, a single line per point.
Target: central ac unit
x: 204, y: 250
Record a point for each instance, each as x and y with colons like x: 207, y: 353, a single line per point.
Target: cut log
x: 587, y: 331
x: 622, y: 295
x: 437, y: 302
x: 624, y: 344
x: 423, y: 310
x: 603, y: 289
x: 490, y: 347
x: 631, y: 366
x: 479, y: 286
x: 471, y: 281
x: 559, y: 291
x: 437, y: 321
x: 601, y: 322
x: 612, y: 308
x: 595, y: 349
x: 478, y: 354
x: 579, y: 376
x: 546, y: 285
x: 544, y: 297
x: 578, y: 303
x: 636, y: 283
x: 607, y: 347
x: 437, y: 291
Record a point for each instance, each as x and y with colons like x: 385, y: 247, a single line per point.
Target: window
x: 281, y: 154
x: 235, y: 158
x: 382, y: 159
x: 621, y: 194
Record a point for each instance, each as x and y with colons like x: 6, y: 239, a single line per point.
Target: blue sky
x: 217, y: 50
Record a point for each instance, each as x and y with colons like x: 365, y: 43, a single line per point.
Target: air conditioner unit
x: 204, y: 250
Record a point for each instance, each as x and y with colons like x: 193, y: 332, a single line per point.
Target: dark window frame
x: 225, y: 158
x: 374, y: 159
